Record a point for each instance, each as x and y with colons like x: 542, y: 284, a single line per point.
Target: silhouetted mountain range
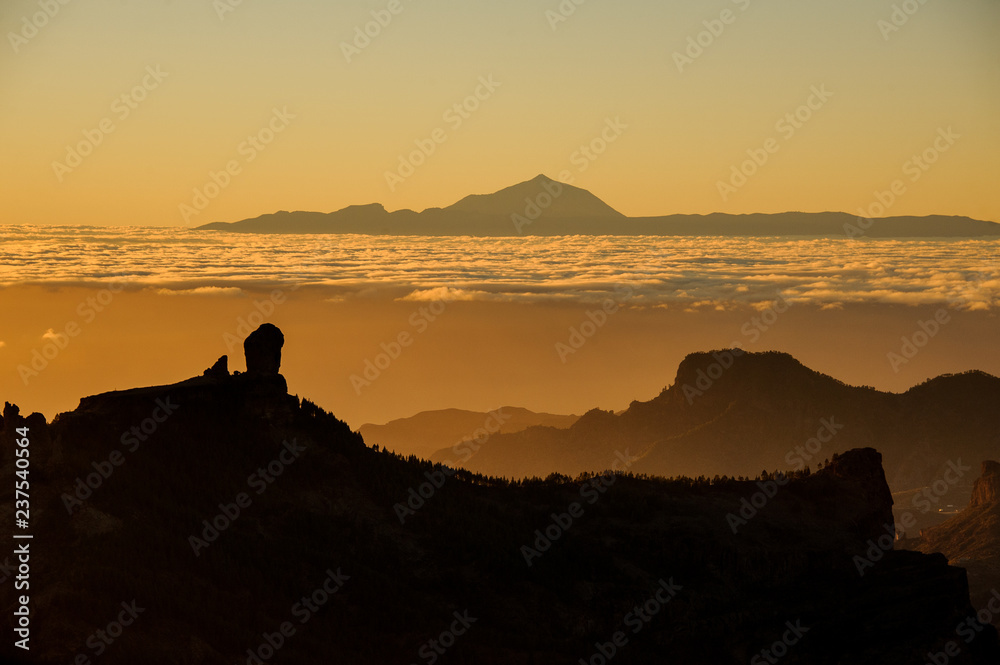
x: 542, y: 206
x: 422, y: 434
x: 733, y: 415
x: 222, y: 520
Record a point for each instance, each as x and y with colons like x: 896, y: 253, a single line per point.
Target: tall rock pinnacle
x: 263, y: 350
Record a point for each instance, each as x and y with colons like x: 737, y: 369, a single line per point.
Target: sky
x: 171, y: 112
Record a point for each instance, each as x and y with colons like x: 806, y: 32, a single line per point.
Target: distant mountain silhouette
x: 563, y: 200
x: 731, y: 415
x: 542, y: 206
x: 241, y: 524
x: 423, y: 433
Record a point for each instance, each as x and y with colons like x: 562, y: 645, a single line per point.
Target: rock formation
x: 262, y: 348
x: 219, y: 369
x: 986, y: 491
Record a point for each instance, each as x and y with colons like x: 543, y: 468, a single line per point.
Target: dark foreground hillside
x: 150, y: 562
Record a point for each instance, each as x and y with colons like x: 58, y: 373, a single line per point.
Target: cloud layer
x: 684, y: 271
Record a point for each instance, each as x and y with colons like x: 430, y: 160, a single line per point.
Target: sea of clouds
x: 692, y: 272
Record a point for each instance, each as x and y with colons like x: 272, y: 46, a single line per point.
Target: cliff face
x: 222, y: 506
x: 986, y: 491
x: 974, y: 533
x: 971, y: 540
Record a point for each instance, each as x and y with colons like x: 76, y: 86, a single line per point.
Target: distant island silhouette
x: 545, y: 207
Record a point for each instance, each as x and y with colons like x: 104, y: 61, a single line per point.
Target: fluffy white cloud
x: 691, y: 272
x: 202, y: 291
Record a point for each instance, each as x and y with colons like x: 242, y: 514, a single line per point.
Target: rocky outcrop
x: 263, y: 350
x: 971, y: 539
x: 220, y: 369
x: 974, y: 533
x: 864, y: 468
x: 986, y: 491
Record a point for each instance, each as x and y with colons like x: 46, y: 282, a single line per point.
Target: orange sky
x: 141, y: 338
x: 164, y: 95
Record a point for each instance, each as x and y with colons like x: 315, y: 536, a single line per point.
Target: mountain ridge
x: 543, y: 569
x: 772, y: 404
x: 422, y: 433
x: 546, y: 207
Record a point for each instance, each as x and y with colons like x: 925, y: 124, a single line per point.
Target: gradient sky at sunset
x: 891, y: 93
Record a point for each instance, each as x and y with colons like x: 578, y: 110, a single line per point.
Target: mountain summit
x: 550, y: 198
